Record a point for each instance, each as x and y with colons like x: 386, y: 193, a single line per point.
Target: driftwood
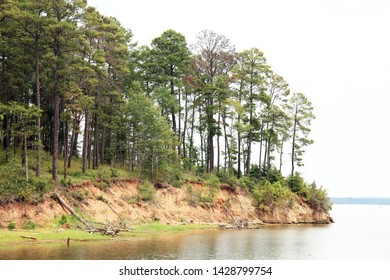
x: 28, y: 237
x: 231, y: 215
x: 105, y: 229
x: 109, y: 230
x: 70, y: 209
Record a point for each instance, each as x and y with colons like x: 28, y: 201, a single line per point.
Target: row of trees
x: 73, y: 84
x: 222, y: 103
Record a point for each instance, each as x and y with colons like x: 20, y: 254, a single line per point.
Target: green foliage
x: 14, y: 187
x: 230, y: 180
x: 295, y: 183
x: 130, y: 199
x: 270, y: 174
x: 170, y: 174
x: 271, y: 194
x: 65, y: 183
x: 11, y: 226
x: 29, y: 225
x: 141, y: 103
x: 78, y: 195
x: 212, y: 181
x: 102, y: 198
x: 200, y: 196
x: 317, y: 197
x: 247, y: 182
x: 192, y: 195
x: 63, y: 220
x: 146, y: 191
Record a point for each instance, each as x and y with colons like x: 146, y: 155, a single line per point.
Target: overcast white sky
x: 336, y: 52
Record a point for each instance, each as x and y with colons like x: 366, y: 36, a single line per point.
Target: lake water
x: 361, y: 232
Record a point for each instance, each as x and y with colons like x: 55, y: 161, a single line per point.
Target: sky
x: 336, y: 52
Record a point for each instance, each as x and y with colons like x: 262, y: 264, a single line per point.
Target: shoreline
x: 157, y: 230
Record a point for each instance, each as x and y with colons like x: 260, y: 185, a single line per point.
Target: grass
x: 15, y: 187
x: 52, y: 235
x: 43, y: 235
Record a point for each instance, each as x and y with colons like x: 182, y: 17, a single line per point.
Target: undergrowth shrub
x: 28, y: 225
x: 271, y: 194
x: 146, y: 191
x: 247, y: 183
x: 317, y: 197
x: 11, y: 226
x: 15, y: 188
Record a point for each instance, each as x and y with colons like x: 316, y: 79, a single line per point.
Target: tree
x: 251, y: 72
x: 275, y: 120
x: 215, y: 58
x: 25, y: 127
x: 148, y: 134
x: 63, y: 17
x: 171, y: 62
x: 301, y: 112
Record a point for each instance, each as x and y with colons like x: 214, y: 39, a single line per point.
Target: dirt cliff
x: 120, y: 203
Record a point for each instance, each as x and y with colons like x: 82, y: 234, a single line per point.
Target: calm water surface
x: 361, y: 232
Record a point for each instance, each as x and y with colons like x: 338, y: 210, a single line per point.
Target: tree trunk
x: 250, y: 135
x: 218, y: 144
x: 293, y: 145
x: 85, y: 142
x: 185, y: 125
x: 190, y: 153
x: 179, y: 128
x: 261, y: 147
x: 266, y: 149
x: 56, y: 103
x: 102, y: 161
x: 201, y: 140
x: 269, y: 153
x: 227, y: 148
x: 210, y: 136
x: 73, y: 141
x: 66, y: 128
x: 56, y: 128
x: 281, y: 154
x: 38, y: 104
x: 239, y: 172
x: 95, y: 159
x: 25, y: 155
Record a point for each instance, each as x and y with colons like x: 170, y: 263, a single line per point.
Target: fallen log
x: 231, y: 215
x: 70, y: 209
x: 28, y: 237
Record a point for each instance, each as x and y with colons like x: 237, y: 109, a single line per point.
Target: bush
x: 247, y: 182
x: 78, y: 195
x: 28, y: 225
x: 172, y: 175
x: 102, y: 198
x: 271, y: 194
x: 230, y: 180
x: 272, y: 175
x: 114, y: 173
x: 14, y: 187
x: 146, y: 191
x: 63, y: 220
x: 200, y: 196
x: 212, y: 181
x: 295, y: 183
x: 317, y: 197
x: 11, y: 226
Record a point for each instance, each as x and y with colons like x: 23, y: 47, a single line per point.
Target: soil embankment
x: 120, y: 203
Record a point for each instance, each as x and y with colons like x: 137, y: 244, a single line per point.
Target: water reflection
x: 355, y: 236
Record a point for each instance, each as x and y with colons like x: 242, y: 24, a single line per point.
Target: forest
x: 77, y: 90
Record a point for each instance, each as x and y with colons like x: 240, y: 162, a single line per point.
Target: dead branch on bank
x: 104, y: 229
x: 231, y: 215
